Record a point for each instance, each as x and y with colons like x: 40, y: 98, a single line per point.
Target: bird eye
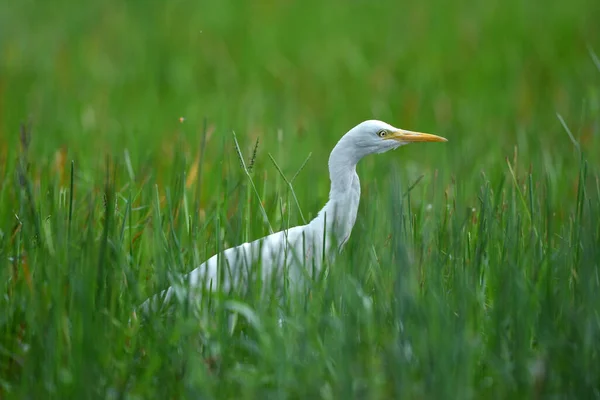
x: 382, y: 133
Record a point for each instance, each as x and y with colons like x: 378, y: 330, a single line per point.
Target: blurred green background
x: 110, y: 75
x: 143, y: 84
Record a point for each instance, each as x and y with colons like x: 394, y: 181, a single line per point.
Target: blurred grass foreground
x: 472, y: 271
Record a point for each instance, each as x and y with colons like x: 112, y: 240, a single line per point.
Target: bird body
x: 298, y: 252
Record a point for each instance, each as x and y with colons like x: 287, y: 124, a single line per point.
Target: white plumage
x: 299, y: 251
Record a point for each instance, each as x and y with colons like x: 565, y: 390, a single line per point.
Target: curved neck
x: 344, y: 196
x: 342, y: 166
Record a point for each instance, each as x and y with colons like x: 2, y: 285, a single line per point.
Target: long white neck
x: 339, y: 214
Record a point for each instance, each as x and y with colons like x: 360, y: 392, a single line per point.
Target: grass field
x: 472, y: 271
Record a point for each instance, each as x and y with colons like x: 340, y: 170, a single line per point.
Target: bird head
x: 378, y: 137
x: 372, y: 137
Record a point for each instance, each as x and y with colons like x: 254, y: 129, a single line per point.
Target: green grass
x: 480, y: 281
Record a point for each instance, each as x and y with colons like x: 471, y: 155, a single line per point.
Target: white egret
x: 297, y: 252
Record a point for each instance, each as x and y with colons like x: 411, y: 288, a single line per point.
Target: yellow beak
x: 408, y: 136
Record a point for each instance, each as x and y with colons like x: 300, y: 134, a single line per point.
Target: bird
x: 300, y: 252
